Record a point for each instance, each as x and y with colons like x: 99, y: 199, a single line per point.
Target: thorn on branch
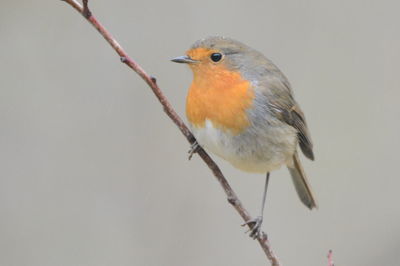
x: 86, y: 12
x: 264, y: 236
x: 232, y: 200
x: 123, y: 59
x: 194, y: 148
x: 153, y: 79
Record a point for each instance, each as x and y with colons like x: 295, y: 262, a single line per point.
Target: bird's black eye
x: 216, y: 57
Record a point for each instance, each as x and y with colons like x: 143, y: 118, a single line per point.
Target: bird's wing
x: 282, y: 104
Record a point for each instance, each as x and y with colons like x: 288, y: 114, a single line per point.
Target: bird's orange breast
x: 220, y: 95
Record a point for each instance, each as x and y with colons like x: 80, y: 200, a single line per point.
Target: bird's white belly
x: 258, y: 152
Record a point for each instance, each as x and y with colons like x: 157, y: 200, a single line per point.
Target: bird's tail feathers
x: 301, y: 184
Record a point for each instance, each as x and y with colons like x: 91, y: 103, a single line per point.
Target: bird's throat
x: 221, y: 96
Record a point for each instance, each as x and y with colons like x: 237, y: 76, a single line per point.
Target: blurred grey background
x: 92, y: 172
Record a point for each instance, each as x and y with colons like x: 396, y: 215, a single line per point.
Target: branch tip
x: 330, y: 259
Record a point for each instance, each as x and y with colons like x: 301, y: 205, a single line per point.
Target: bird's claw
x: 255, y: 224
x: 193, y: 149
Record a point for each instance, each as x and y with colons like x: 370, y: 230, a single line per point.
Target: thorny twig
x: 151, y: 81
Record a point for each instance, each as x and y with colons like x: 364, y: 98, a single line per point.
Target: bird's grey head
x: 234, y: 55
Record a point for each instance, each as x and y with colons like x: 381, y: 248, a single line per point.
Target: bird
x: 241, y: 107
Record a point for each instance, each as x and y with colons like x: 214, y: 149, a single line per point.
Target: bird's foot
x: 193, y: 149
x: 255, y: 224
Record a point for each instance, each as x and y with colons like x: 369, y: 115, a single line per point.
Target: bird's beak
x: 183, y: 59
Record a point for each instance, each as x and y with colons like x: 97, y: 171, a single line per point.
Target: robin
x: 240, y: 106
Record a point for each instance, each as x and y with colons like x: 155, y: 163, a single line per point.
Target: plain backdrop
x: 93, y: 173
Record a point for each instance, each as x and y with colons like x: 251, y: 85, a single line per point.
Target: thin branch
x: 168, y: 109
x: 330, y: 259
